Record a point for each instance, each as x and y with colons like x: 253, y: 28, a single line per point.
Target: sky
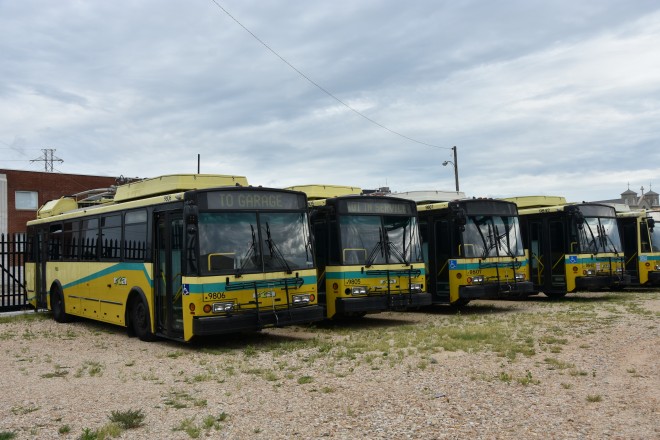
x: 554, y: 97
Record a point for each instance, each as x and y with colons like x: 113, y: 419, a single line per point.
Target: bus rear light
x: 225, y: 307
x: 302, y: 299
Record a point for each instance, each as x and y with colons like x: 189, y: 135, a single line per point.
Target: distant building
x: 630, y: 198
x: 23, y: 192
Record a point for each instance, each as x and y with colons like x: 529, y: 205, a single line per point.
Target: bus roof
x: 317, y: 192
x: 140, y: 190
x: 427, y: 197
x: 536, y: 201
x: 174, y: 183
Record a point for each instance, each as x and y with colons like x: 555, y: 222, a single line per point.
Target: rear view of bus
x: 368, y: 253
x: 641, y: 246
x: 473, y: 250
x: 574, y: 247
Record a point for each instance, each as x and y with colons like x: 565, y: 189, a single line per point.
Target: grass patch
x: 7, y: 435
x: 593, y: 398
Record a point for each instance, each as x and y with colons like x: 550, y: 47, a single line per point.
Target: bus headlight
x: 478, y: 279
x: 657, y: 267
x: 225, y: 307
x: 590, y: 272
x: 417, y: 288
x: 520, y: 277
x: 358, y: 290
x: 301, y: 299
x: 619, y: 270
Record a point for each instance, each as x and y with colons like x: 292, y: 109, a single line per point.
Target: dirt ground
x: 585, y: 367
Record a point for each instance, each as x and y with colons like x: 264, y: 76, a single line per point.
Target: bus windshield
x: 599, y: 234
x: 655, y: 233
x: 239, y: 242
x: 369, y: 239
x: 492, y: 236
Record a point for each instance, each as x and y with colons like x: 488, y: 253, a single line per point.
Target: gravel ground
x: 582, y: 368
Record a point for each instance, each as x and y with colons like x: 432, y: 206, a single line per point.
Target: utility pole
x: 454, y: 163
x: 48, y: 159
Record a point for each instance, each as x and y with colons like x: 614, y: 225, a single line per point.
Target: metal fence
x: 12, y: 277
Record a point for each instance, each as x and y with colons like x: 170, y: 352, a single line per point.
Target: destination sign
x: 375, y: 206
x: 253, y: 200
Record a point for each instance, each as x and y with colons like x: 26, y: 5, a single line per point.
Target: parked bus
x: 573, y: 247
x: 368, y: 251
x: 176, y: 257
x: 641, y: 246
x: 473, y: 250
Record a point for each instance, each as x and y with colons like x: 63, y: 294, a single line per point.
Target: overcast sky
x: 554, y: 97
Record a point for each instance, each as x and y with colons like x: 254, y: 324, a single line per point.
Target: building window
x: 27, y: 200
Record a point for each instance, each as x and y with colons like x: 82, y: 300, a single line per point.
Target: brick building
x: 23, y: 192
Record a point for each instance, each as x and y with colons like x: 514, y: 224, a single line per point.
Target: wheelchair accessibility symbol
x: 186, y: 289
x: 573, y: 259
x: 453, y: 264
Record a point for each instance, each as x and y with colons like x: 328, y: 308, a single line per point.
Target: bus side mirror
x: 651, y: 223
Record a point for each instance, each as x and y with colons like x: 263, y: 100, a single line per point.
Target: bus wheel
x: 461, y: 302
x: 57, y: 306
x: 140, y: 321
x: 555, y: 295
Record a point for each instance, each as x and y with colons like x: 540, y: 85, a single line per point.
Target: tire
x: 461, y: 302
x: 140, y: 320
x: 57, y: 307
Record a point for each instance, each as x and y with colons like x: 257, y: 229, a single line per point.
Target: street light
x: 454, y: 164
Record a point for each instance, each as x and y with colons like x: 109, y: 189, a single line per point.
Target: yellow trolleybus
x: 368, y: 251
x: 177, y: 256
x: 574, y: 247
x: 641, y: 246
x: 473, y: 250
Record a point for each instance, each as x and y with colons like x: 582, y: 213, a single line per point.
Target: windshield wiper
x: 378, y: 246
x: 248, y: 254
x: 393, y: 250
x: 607, y: 238
x: 593, y: 239
x: 275, y: 251
x: 499, y: 239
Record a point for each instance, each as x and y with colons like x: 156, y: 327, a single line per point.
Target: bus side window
x: 89, y: 235
x: 110, y: 237
x: 55, y: 242
x: 135, y: 235
x: 70, y: 233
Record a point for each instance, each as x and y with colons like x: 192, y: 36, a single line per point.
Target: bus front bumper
x: 654, y: 279
x: 251, y: 321
x: 601, y: 282
x: 496, y: 291
x: 381, y: 303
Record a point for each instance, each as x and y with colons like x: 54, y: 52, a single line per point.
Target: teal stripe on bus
x: 482, y: 266
x: 340, y: 275
x: 221, y: 286
x: 120, y: 269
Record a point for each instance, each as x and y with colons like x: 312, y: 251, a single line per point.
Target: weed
x: 65, y: 429
x: 175, y: 354
x: 594, y: 398
x: 505, y: 377
x: 527, y: 379
x: 128, y: 419
x: 7, y: 435
x: 59, y: 372
x: 566, y: 386
x: 21, y: 410
x: 188, y: 426
x: 556, y: 364
x: 305, y: 379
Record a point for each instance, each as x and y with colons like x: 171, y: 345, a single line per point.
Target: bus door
x: 40, y: 254
x: 168, y: 274
x: 556, y: 240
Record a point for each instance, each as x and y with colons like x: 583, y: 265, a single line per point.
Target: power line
x: 323, y: 89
